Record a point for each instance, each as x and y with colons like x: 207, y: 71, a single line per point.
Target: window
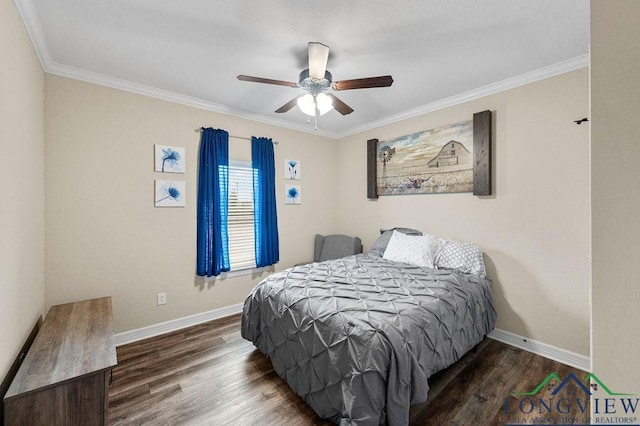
x: 237, y: 229
x: 241, y: 216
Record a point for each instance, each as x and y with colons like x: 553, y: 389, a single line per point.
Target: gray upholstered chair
x: 335, y: 246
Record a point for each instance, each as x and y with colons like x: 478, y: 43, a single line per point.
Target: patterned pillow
x: 380, y: 245
x: 412, y: 249
x: 462, y: 257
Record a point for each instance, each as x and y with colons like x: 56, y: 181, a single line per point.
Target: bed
x: 358, y: 337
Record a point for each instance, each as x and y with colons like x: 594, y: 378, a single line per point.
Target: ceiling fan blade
x: 266, y: 81
x: 318, y: 56
x: 340, y: 106
x: 286, y: 107
x: 363, y: 83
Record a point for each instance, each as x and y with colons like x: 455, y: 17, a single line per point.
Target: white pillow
x: 412, y: 249
x: 462, y: 257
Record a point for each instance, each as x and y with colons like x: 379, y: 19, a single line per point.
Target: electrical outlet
x: 162, y: 299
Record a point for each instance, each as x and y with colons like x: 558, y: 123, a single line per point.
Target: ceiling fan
x: 316, y: 80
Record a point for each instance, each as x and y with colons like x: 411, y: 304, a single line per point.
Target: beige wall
x: 21, y: 185
x: 615, y: 197
x: 534, y: 230
x: 104, y: 236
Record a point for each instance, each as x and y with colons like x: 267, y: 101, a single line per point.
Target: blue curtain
x: 213, y: 203
x: 264, y: 202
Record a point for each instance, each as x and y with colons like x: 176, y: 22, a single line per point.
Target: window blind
x: 241, y: 218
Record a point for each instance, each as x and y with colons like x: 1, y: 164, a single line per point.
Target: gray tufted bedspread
x: 358, y: 337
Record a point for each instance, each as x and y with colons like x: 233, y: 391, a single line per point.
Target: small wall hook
x: 581, y: 120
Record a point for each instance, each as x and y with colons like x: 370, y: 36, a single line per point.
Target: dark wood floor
x: 209, y: 375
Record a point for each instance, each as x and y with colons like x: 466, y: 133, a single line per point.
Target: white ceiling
x: 439, y: 52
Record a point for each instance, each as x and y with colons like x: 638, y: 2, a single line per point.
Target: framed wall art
x: 446, y: 159
x: 169, y: 193
x: 292, y: 169
x: 431, y: 161
x: 169, y: 159
x: 292, y: 194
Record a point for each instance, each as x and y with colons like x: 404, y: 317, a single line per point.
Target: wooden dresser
x: 64, y: 377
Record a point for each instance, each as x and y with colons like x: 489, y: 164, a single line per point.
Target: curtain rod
x: 198, y: 130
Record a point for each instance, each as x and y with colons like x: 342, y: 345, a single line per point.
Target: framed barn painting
x: 438, y: 160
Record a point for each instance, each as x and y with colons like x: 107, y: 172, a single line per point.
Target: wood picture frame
x: 482, y: 153
x: 372, y: 193
x: 481, y: 156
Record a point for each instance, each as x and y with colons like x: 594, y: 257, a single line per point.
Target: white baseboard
x: 539, y: 348
x: 176, y: 324
x: 543, y: 349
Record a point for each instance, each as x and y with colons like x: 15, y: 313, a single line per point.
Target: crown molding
x: 34, y: 28
x: 166, y: 95
x: 33, y: 25
x: 490, y: 89
x: 559, y: 68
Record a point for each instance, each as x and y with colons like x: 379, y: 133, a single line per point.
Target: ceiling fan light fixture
x: 323, y: 103
x: 309, y: 103
x: 315, y: 81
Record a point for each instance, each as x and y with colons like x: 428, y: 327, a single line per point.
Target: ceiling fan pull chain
x: 315, y: 118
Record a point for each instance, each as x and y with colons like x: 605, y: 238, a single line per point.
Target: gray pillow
x: 462, y: 257
x: 380, y: 245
